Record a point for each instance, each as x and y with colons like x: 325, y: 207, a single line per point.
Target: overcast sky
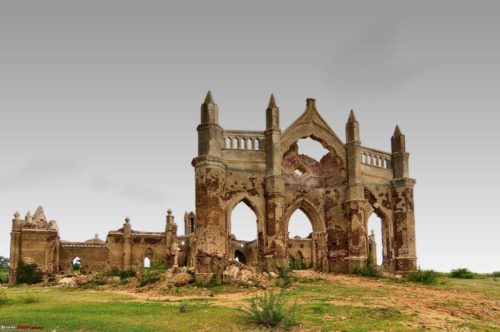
x: 99, y: 103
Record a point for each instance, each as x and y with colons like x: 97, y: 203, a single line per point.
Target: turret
x: 273, y: 138
x: 272, y: 115
x: 209, y: 132
x: 15, y: 246
x: 168, y: 229
x: 399, y: 155
x: 353, y: 145
x: 127, y: 243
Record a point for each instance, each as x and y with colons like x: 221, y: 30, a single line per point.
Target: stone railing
x: 375, y: 158
x: 83, y: 245
x: 244, y: 140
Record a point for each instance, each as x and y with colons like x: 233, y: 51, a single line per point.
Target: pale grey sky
x: 99, y: 103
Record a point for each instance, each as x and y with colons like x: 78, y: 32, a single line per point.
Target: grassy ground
x: 332, y: 303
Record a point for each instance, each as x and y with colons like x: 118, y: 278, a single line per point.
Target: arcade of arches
x: 271, y: 175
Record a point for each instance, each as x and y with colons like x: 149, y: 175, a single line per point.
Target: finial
x: 272, y: 102
x: 397, y: 131
x: 209, y: 99
x: 96, y: 236
x: 310, y: 104
x: 28, y: 215
x: 372, y: 233
x: 352, y: 116
x: 169, y: 212
x: 127, y: 220
x: 16, y: 215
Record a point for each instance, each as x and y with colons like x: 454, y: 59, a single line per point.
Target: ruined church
x: 265, y: 170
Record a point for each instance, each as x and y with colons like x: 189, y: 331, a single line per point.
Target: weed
x: 149, y: 277
x: 285, y: 279
x: 271, y: 310
x: 183, y: 306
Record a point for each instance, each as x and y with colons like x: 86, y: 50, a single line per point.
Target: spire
x: 272, y: 102
x: 397, y: 131
x: 352, y: 117
x: 209, y: 99
x: 272, y: 114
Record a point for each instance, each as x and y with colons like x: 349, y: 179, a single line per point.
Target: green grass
x: 321, y: 306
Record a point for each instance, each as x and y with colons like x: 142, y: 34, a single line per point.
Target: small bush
x: 28, y: 274
x: 285, y: 279
x: 295, y: 264
x: 370, y: 270
x: 149, y: 277
x: 123, y: 274
x: 28, y: 298
x: 462, y: 274
x: 426, y: 277
x: 495, y: 275
x: 183, y: 306
x: 271, y: 310
x: 158, y: 266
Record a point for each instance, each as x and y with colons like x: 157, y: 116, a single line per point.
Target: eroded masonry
x: 266, y: 171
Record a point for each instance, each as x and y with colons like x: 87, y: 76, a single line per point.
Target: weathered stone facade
x: 265, y: 170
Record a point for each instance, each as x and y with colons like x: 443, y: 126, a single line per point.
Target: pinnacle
x: 352, y: 116
x: 310, y: 104
x: 397, y: 131
x: 209, y: 99
x: 272, y: 102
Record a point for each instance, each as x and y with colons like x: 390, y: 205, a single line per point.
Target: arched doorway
x: 375, y: 243
x: 299, y: 225
x: 309, y: 221
x: 76, y: 264
x: 148, y: 258
x: 240, y: 257
x: 245, y: 232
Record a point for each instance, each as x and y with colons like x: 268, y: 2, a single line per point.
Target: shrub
x: 370, y: 270
x: 183, y: 306
x: 158, y: 266
x: 285, y: 279
x: 123, y: 274
x: 29, y: 297
x: 271, y: 310
x: 149, y: 277
x: 426, y: 277
x: 495, y: 274
x: 28, y: 273
x: 462, y: 274
x: 297, y: 265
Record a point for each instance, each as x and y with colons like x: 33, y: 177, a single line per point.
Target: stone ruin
x: 265, y: 170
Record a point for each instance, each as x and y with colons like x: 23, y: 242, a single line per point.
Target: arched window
x: 243, y: 222
x: 240, y: 256
x: 299, y: 225
x: 375, y: 225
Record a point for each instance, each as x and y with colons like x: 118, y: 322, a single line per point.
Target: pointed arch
x: 317, y: 222
x: 252, y: 204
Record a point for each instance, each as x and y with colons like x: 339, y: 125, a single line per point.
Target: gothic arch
x: 317, y: 222
x: 387, y: 241
x: 252, y: 204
